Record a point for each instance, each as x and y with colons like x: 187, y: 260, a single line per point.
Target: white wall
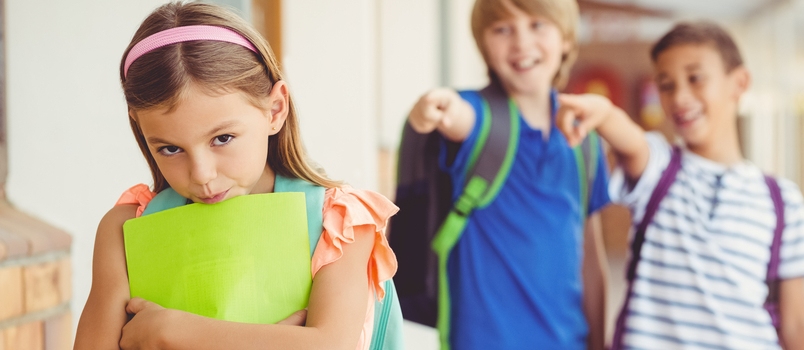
x: 466, y: 67
x: 409, y: 65
x: 773, y: 54
x: 330, y: 64
x: 71, y: 153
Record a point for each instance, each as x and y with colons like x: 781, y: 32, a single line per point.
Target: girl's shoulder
x: 139, y: 195
x: 130, y: 205
x: 358, y: 200
x: 347, y: 211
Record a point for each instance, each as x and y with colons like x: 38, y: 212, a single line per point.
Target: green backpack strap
x: 586, y: 155
x: 488, y: 167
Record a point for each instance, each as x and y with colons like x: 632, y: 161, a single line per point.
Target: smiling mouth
x: 684, y: 120
x: 526, y: 63
x: 214, y: 199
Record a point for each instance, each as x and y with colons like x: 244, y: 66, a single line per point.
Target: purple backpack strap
x: 772, y: 278
x: 667, y: 179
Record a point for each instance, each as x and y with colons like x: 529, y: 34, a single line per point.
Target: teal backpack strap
x: 586, y: 157
x: 387, y: 333
x: 314, y: 197
x: 489, y: 165
x: 388, y: 324
x: 164, y: 200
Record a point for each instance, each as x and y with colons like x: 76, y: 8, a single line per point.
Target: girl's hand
x: 580, y: 114
x: 148, y: 327
x: 151, y: 324
x: 435, y: 108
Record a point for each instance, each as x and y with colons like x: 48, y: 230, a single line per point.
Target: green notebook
x: 246, y: 259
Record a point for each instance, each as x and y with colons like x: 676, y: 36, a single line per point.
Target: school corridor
x: 355, y: 68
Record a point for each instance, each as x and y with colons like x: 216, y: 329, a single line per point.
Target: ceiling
x: 714, y: 9
x: 646, y: 20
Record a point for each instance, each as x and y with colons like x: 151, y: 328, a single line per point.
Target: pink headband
x: 182, y: 34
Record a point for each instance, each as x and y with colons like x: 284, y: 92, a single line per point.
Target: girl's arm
x: 791, y: 309
x: 105, y: 311
x: 443, y: 109
x: 595, y: 280
x: 580, y: 114
x: 336, y: 313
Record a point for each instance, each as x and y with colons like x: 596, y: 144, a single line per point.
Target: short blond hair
x: 564, y: 13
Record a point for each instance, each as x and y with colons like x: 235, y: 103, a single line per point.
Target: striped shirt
x: 700, y: 282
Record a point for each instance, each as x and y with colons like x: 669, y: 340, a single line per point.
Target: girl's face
x: 212, y: 148
x: 524, y: 51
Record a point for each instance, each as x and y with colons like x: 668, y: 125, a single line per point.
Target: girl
x: 214, y: 120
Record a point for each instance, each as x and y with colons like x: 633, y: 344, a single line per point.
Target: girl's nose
x: 203, y: 170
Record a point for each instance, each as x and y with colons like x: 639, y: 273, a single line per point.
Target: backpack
x: 387, y: 333
x: 659, y: 192
x: 429, y: 223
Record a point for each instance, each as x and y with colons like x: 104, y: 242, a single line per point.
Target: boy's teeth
x: 526, y: 63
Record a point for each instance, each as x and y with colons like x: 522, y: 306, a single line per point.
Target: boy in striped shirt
x: 702, y: 274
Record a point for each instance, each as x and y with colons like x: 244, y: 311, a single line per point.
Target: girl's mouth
x: 214, y: 199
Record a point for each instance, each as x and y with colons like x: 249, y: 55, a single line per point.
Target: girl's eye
x: 222, y: 140
x: 536, y: 24
x: 695, y: 78
x: 169, y: 150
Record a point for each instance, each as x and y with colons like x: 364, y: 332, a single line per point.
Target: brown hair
x: 700, y: 33
x: 158, y: 78
x: 564, y: 13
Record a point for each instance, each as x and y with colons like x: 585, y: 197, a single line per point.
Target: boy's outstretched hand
x: 444, y: 110
x: 433, y: 108
x: 580, y: 114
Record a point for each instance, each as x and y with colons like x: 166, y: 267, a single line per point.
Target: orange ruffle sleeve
x: 347, y: 210
x: 139, y: 195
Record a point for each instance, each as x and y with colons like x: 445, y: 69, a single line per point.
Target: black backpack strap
x: 494, y: 152
x: 772, y: 277
x: 659, y: 192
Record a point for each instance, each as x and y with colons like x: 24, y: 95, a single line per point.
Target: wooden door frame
x: 267, y: 18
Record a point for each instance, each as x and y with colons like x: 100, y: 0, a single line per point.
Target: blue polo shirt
x: 515, y: 272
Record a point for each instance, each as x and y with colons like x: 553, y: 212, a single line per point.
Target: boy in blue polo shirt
x: 716, y: 241
x: 515, y: 274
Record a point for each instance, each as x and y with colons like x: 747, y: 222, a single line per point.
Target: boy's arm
x: 595, y: 280
x: 336, y: 313
x: 580, y: 114
x: 443, y: 110
x: 105, y: 311
x: 791, y: 309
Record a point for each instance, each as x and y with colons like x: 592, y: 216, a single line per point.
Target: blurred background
x: 355, y: 67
